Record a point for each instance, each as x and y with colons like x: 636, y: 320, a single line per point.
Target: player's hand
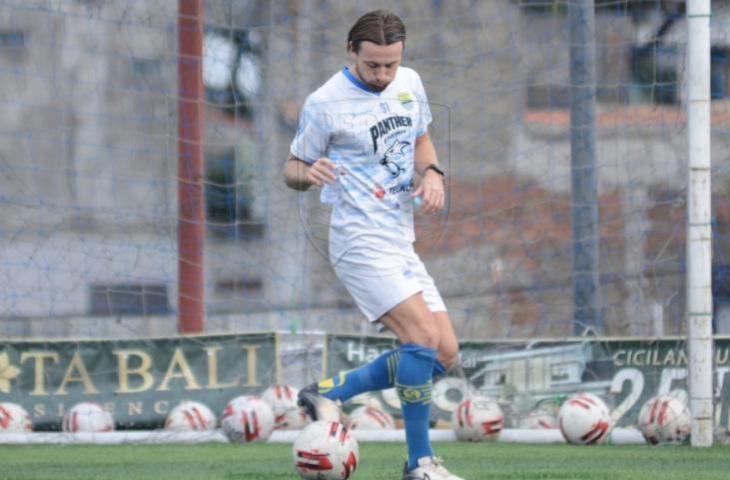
x: 431, y: 191
x: 321, y: 172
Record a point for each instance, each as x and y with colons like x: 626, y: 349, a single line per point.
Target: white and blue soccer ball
x: 325, y: 450
x: 584, y: 419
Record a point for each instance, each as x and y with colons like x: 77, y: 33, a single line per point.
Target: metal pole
x: 699, y: 214
x: 583, y: 167
x: 191, y: 202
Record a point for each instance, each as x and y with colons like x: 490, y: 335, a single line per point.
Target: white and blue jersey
x: 371, y: 138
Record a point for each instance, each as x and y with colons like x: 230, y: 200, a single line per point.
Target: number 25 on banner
x: 672, y: 380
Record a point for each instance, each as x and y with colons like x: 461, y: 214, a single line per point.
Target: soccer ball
x: 14, y: 419
x: 584, y: 419
x: 283, y: 401
x: 247, y: 419
x: 325, y: 451
x: 366, y: 399
x: 370, y: 418
x: 448, y: 392
x: 664, y: 419
x: 190, y: 416
x: 477, y: 419
x: 88, y: 417
x: 539, y: 419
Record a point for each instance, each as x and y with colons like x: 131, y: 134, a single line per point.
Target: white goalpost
x: 699, y: 230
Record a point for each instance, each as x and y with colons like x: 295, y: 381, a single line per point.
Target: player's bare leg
x: 448, y: 347
x: 412, y: 322
x: 421, y: 335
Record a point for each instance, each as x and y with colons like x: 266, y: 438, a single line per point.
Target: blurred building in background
x: 88, y: 160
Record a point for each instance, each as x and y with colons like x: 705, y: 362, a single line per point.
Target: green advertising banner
x: 138, y: 380
x: 523, y: 374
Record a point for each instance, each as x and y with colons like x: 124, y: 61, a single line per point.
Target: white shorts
x: 380, y: 283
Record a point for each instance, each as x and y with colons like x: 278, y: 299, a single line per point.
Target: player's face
x: 376, y: 65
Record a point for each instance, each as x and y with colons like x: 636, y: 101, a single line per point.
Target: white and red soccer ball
x: 477, y: 419
x: 367, y: 399
x: 14, y: 419
x: 88, y: 417
x: 584, y: 419
x: 370, y: 418
x: 665, y: 419
x: 540, y: 419
x: 283, y: 401
x: 325, y: 450
x: 247, y: 419
x: 190, y: 416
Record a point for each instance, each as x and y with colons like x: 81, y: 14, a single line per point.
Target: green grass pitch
x: 377, y: 461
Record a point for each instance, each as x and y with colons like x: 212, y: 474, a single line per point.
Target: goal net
x: 91, y: 182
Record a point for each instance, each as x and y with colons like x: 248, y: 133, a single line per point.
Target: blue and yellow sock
x: 438, y: 369
x: 414, y: 383
x: 376, y: 375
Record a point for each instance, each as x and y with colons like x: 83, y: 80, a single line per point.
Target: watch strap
x: 435, y: 168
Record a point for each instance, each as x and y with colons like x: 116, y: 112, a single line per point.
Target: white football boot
x: 429, y: 468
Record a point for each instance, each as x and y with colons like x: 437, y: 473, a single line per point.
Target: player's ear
x: 351, y: 50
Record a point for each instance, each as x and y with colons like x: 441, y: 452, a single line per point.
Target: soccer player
x: 363, y: 137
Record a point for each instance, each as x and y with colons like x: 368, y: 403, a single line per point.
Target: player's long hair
x: 380, y: 27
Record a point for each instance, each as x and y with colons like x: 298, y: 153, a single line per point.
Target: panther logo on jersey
x: 395, y: 151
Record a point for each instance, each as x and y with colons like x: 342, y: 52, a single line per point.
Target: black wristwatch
x: 435, y: 168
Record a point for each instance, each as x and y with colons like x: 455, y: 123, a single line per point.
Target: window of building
x: 12, y: 44
x: 232, y: 70
x: 229, y: 191
x: 128, y: 299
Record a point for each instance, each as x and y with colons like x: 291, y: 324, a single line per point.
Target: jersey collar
x: 346, y: 72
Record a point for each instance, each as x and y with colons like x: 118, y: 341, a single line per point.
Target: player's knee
x: 448, y: 354
x: 427, y: 335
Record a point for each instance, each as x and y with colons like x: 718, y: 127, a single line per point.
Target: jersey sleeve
x: 424, y: 117
x: 312, y: 138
